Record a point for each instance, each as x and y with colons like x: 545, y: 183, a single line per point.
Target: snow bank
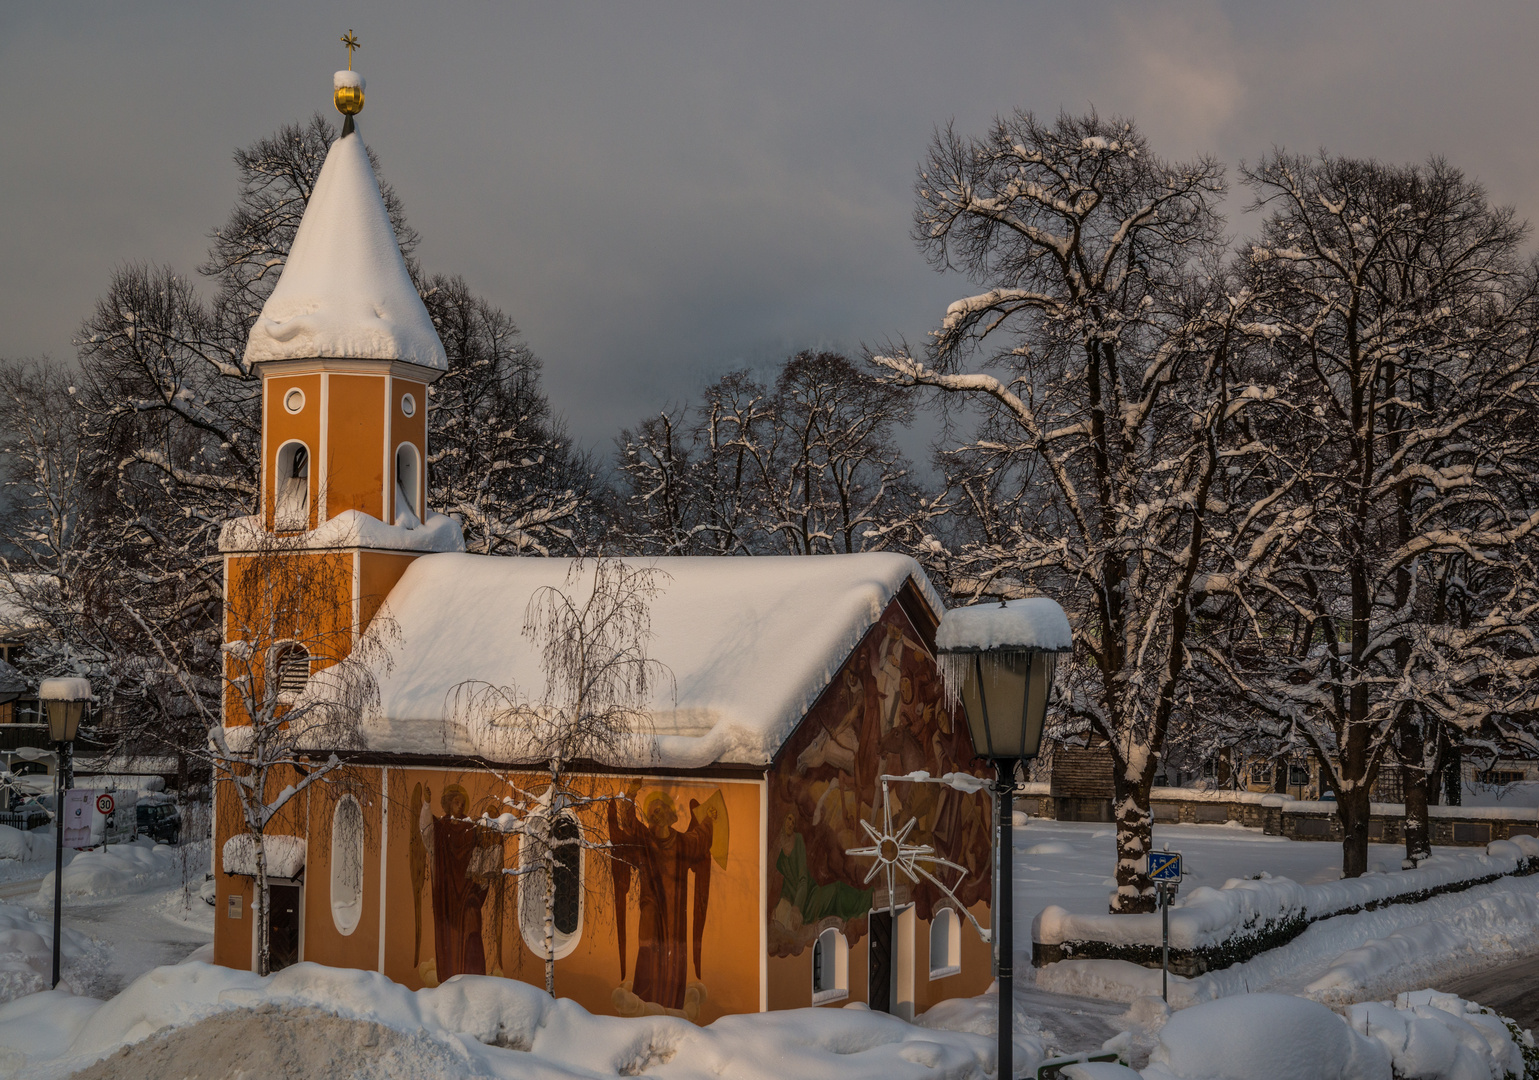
x: 285, y: 855
x: 349, y: 529
x: 505, y: 1028
x: 1434, y: 1036
x: 345, y: 291
x: 26, y: 951
x: 749, y: 643
x: 24, y: 846
x: 1264, y: 1037
x: 1207, y: 917
x: 1033, y: 623
x: 119, y: 868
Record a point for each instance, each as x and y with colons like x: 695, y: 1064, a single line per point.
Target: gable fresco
x: 885, y: 713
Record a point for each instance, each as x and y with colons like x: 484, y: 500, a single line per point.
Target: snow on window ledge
x: 349, y: 529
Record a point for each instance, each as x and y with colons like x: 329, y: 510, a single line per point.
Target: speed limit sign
x: 104, y: 803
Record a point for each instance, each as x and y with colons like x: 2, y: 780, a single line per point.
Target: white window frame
x: 835, y: 947
x: 945, y: 931
x: 531, y: 900
x: 345, y: 913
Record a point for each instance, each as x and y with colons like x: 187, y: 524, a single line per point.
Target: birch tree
x: 592, y: 635
x: 281, y: 730
x: 1105, y: 368
x: 1401, y: 323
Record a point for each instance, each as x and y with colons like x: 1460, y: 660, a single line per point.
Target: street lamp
x: 65, y: 701
x: 998, y: 660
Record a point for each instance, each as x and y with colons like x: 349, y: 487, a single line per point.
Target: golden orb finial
x: 347, y: 86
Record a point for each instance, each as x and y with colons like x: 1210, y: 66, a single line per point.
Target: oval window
x: 294, y: 400
x: 347, y: 865
x: 408, y: 405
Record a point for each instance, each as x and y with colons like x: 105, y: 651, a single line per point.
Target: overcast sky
x: 660, y: 192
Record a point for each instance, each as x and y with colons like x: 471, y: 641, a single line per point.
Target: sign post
x: 1165, y: 872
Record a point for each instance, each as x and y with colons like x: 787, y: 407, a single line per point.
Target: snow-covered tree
x: 1402, y: 611
x: 592, y: 635
x: 807, y: 467
x: 1109, y: 386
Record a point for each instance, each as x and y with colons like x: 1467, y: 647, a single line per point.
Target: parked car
x: 160, y: 820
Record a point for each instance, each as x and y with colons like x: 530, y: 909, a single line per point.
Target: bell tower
x: 346, y: 353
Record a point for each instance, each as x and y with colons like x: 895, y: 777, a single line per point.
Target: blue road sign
x: 1164, y: 866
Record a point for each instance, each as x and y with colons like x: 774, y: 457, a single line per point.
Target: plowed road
x: 1512, y: 990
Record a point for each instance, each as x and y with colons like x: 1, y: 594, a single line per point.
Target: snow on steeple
x: 345, y: 292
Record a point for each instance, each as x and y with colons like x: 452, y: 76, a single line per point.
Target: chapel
x: 793, y: 817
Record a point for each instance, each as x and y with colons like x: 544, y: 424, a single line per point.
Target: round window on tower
x: 294, y: 400
x: 408, y: 405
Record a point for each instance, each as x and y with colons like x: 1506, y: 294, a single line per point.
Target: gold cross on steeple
x: 352, y: 43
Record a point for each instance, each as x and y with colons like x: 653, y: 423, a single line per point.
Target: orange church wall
x: 355, y: 438
x: 884, y: 713
x: 485, y: 919
x: 377, y: 574
x: 324, y: 939
x: 280, y: 426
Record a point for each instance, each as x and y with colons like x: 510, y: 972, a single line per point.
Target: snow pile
x: 1433, y: 1036
x: 495, y: 1027
x: 1264, y: 1037
x: 749, y: 644
x: 25, y: 846
x: 285, y: 855
x: 1209, y: 917
x: 1033, y: 623
x: 345, y: 290
x: 346, y: 78
x: 116, y: 869
x: 349, y: 529
x: 64, y: 690
x: 26, y: 951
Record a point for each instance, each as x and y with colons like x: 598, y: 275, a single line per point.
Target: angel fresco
x: 661, y: 858
x: 464, y: 861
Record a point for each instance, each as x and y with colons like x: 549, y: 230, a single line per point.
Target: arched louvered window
x: 293, y: 669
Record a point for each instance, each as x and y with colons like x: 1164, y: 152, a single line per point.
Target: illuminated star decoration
x: 892, y: 854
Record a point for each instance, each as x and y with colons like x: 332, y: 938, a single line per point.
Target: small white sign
x: 232, y: 909
x: 78, y: 817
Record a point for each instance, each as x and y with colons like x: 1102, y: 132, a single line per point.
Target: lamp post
x: 998, y: 660
x: 65, y: 701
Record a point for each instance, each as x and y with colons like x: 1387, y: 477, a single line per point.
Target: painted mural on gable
x: 885, y: 714
x: 656, y: 853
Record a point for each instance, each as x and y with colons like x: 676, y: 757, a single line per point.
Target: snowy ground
x: 125, y: 918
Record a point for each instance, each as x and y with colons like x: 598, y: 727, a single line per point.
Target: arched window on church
x: 830, y: 967
x: 945, y: 944
x: 292, y: 665
x: 565, y: 841
x: 347, y: 865
x: 407, y: 485
x: 291, y: 496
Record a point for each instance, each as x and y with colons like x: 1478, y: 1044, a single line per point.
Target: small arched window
x: 347, y: 865
x: 293, y: 669
x: 291, y: 492
x: 945, y: 944
x: 407, y: 486
x: 565, y: 842
x: 830, y: 967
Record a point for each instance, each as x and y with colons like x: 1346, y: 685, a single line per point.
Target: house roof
x: 750, y: 643
x: 345, y: 291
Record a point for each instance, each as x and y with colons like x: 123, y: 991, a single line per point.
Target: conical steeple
x: 345, y: 292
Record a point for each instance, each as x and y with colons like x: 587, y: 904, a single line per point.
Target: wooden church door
x: 282, y: 926
x: 879, y: 994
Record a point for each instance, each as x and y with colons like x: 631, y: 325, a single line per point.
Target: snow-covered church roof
x: 750, y: 643
x: 345, y: 291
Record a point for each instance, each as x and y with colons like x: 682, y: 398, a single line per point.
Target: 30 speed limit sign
x: 104, y: 803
